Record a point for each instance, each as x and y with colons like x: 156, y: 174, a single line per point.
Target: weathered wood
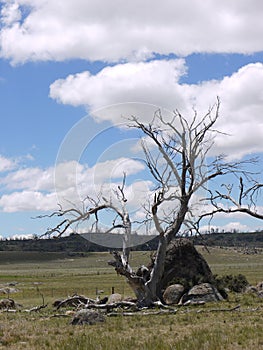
x: 36, y: 308
x: 75, y: 301
x: 107, y: 307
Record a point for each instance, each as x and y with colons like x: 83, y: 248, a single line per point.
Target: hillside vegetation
x: 77, y: 244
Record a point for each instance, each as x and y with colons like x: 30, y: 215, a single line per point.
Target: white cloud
x: 121, y: 88
x: 7, y: 164
x: 30, y: 178
x: 36, y: 189
x: 28, y: 201
x: 157, y: 84
x: 80, y: 181
x: 112, y: 30
x: 138, y: 193
x: 10, y: 13
x: 114, y: 169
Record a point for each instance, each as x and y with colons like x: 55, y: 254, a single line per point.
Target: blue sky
x: 61, y: 62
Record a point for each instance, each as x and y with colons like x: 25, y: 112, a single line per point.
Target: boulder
x: 184, y: 265
x: 173, y: 294
x: 89, y: 317
x: 201, y: 293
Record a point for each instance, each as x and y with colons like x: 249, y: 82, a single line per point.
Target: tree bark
x: 157, y: 272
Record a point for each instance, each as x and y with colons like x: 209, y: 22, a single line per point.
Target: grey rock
x: 114, y: 298
x: 89, y: 317
x: 8, y: 290
x: 173, y: 294
x: 204, y: 292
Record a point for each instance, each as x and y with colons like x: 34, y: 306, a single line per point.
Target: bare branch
x: 180, y: 165
x: 245, y: 202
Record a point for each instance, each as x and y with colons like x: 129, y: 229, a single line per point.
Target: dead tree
x: 176, y: 157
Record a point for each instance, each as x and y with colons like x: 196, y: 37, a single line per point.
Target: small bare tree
x: 177, y: 156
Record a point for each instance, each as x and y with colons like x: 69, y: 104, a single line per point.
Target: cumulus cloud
x: 7, y: 164
x: 28, y: 201
x: 30, y: 178
x: 43, y: 30
x: 122, y: 87
x: 36, y: 189
x: 10, y: 13
x: 141, y: 88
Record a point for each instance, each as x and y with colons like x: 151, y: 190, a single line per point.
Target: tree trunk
x: 137, y: 282
x: 144, y: 283
x: 177, y: 262
x: 156, y: 272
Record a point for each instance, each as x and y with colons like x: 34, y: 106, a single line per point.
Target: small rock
x: 70, y: 313
x: 114, y: 298
x: 89, y: 317
x: 8, y: 290
x: 7, y: 304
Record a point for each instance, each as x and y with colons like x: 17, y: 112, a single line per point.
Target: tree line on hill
x: 76, y: 243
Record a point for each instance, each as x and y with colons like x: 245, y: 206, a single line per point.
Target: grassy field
x: 55, y: 275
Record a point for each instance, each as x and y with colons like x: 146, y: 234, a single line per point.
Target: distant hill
x: 248, y: 239
x: 74, y: 244
x: 77, y: 243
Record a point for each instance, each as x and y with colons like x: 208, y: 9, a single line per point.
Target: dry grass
x: 190, y: 328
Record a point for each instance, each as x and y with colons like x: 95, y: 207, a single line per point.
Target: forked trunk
x: 157, y: 271
x: 144, y: 283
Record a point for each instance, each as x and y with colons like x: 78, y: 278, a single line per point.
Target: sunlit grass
x: 195, y: 327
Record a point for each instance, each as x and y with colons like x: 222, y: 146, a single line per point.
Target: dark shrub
x: 236, y: 283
